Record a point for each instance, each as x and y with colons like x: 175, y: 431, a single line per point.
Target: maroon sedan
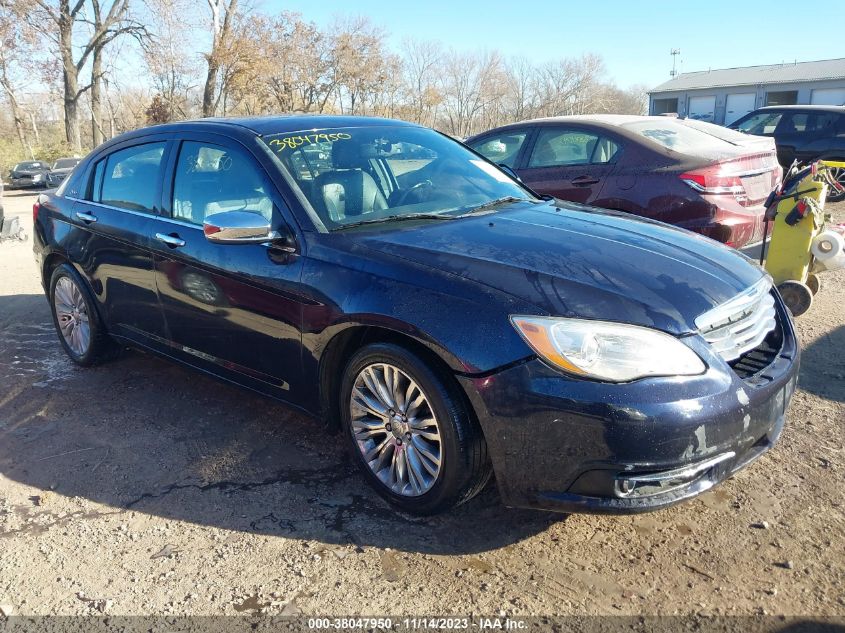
x: 695, y: 175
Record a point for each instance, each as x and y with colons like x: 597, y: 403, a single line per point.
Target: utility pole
x: 674, y: 53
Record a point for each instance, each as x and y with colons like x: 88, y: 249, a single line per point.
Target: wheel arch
x: 55, y: 259
x: 51, y: 262
x: 347, y: 341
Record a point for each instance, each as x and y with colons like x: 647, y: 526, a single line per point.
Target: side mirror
x: 238, y: 227
x: 510, y: 172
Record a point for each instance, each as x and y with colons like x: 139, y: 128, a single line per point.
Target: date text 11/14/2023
x: 418, y: 623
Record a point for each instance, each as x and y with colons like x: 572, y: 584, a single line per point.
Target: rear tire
x: 839, y: 174
x: 415, y: 439
x: 75, y: 316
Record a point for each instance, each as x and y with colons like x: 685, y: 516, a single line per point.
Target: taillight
x: 726, y: 177
x: 36, y: 207
x: 715, y: 179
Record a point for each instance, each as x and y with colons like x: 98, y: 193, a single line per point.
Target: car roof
x: 815, y: 108
x: 608, y: 119
x: 273, y: 124
x: 611, y: 122
x: 243, y: 127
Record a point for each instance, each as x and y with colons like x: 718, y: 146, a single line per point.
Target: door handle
x: 173, y: 241
x: 90, y: 218
x: 583, y: 181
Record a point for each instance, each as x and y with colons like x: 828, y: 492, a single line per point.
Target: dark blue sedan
x: 389, y: 281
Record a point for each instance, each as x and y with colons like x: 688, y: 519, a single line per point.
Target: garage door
x: 702, y: 108
x: 828, y: 96
x: 739, y: 105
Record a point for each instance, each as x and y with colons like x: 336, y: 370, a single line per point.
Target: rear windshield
x: 678, y: 136
x: 66, y: 163
x: 726, y: 134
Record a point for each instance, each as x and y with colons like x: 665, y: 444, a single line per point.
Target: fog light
x: 653, y: 483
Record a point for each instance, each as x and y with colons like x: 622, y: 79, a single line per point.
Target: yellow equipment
x: 797, y: 208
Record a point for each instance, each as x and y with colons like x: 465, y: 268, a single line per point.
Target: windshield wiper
x: 488, y: 206
x: 398, y: 218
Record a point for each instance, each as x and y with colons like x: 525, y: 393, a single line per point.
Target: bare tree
x: 299, y: 59
x: 169, y: 55
x: 471, y: 83
x: 421, y: 66
x: 57, y: 21
x: 359, y: 62
x: 521, y: 98
x: 223, y: 14
x: 13, y: 49
x: 571, y: 86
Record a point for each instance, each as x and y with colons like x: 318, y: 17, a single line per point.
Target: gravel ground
x: 140, y: 487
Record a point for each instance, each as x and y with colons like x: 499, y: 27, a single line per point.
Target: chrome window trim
x: 144, y: 214
x: 141, y: 214
x: 189, y: 225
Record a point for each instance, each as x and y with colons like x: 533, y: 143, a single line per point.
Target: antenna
x: 674, y: 53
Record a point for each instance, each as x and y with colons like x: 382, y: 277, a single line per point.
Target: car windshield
x: 763, y: 122
x: 66, y: 163
x: 384, y: 173
x: 677, y: 136
x: 28, y: 165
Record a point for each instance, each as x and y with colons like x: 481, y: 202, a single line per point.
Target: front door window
x: 210, y: 179
x: 502, y: 149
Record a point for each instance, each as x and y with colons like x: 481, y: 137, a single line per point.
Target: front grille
x: 748, y: 365
x: 741, y: 324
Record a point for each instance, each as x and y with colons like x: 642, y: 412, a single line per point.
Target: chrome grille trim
x: 740, y: 324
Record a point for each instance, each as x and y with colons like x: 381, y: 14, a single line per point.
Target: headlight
x: 36, y: 176
x: 613, y: 352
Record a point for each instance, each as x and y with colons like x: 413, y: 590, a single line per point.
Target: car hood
x: 575, y: 261
x: 64, y: 171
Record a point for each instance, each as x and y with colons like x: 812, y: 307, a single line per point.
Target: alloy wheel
x: 838, y: 174
x: 396, y: 430
x: 72, y: 315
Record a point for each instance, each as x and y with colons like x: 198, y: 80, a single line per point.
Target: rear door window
x: 559, y: 148
x: 797, y: 122
x: 824, y: 121
x: 793, y: 122
x: 128, y: 178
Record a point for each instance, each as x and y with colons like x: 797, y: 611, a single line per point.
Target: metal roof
x: 755, y: 75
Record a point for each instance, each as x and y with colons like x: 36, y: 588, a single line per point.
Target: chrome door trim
x: 170, y: 240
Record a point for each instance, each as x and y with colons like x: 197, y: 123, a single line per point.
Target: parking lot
x: 142, y: 487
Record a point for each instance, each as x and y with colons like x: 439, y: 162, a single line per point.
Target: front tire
x: 410, y: 431
x: 75, y: 316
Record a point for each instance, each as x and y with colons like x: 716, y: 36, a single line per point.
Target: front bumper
x: 558, y: 443
x: 26, y: 183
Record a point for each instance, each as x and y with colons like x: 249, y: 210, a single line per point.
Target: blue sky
x: 634, y: 38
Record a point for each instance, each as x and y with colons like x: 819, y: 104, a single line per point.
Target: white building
x: 722, y: 96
